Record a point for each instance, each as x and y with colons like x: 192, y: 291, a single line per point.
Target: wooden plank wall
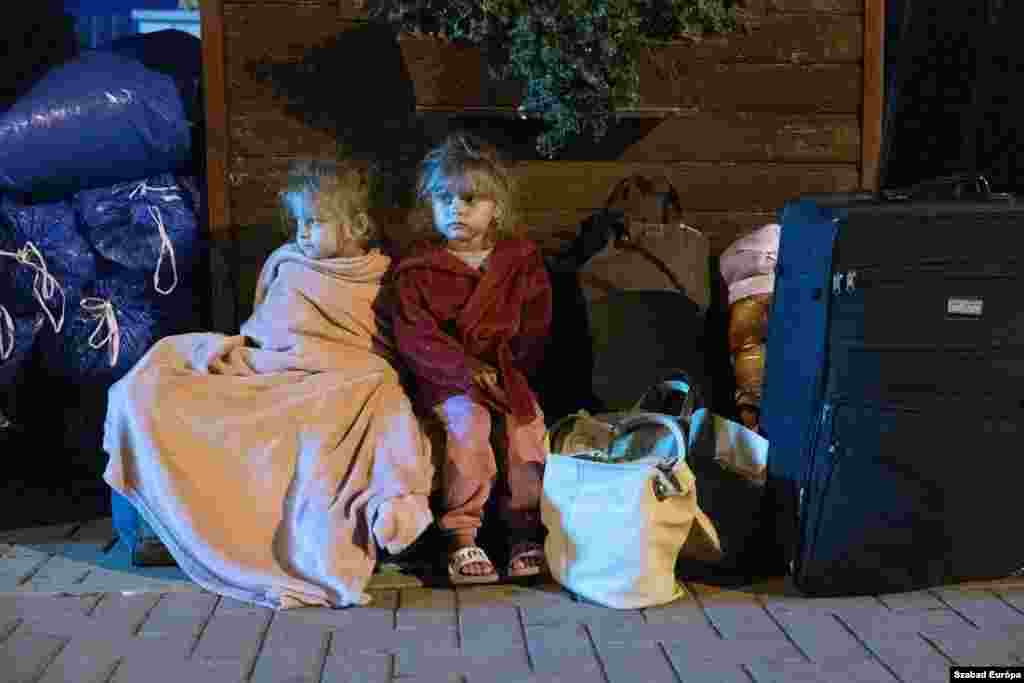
x: 739, y: 124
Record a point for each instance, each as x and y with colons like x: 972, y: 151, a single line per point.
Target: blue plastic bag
x: 17, y: 337
x: 44, y: 260
x: 98, y: 120
x: 148, y: 225
x: 178, y: 54
x: 117, y: 319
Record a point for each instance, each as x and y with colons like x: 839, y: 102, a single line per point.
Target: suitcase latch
x: 837, y: 283
x: 844, y: 282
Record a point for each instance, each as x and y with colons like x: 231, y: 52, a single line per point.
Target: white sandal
x: 468, y: 555
x: 527, y: 550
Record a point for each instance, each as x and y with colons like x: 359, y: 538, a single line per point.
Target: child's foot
x: 469, y: 564
x: 527, y: 559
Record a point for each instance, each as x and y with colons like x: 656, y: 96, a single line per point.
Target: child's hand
x: 485, y: 374
x: 486, y: 379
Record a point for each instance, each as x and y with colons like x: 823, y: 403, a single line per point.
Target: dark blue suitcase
x: 892, y: 393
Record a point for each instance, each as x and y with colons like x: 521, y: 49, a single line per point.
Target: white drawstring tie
x: 165, y: 246
x: 44, y: 285
x: 6, y: 325
x: 143, y: 188
x: 141, y: 191
x: 103, y: 312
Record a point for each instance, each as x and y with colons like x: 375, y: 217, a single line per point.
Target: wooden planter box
x: 739, y: 124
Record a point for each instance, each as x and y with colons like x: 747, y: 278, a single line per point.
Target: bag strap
x: 666, y: 484
x: 637, y: 419
x: 630, y: 422
x: 679, y: 382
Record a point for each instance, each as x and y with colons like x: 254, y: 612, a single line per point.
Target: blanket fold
x: 269, y: 462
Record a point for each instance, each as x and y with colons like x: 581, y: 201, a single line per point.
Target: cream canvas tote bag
x: 615, y: 529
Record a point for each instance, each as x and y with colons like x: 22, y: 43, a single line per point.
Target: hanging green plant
x: 578, y: 59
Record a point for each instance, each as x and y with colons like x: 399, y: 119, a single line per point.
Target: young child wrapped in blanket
x: 473, y: 314
x: 327, y: 206
x: 324, y: 206
x: 273, y: 463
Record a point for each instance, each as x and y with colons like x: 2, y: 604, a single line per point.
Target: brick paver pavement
x: 483, y: 634
x: 167, y: 630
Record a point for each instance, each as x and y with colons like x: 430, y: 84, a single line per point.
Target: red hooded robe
x: 451, y: 317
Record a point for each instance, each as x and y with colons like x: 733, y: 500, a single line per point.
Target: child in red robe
x: 473, y: 315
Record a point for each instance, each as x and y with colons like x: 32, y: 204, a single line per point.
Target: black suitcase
x: 893, y: 399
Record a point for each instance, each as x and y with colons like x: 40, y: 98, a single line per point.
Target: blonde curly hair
x: 466, y: 163
x: 341, y: 192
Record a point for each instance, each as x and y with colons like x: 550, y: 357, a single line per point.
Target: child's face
x: 321, y: 237
x: 464, y: 219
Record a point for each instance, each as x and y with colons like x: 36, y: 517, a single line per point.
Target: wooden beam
x: 874, y: 91
x: 217, y: 132
x: 223, y: 266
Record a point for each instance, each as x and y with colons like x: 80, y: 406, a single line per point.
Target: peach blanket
x: 268, y: 462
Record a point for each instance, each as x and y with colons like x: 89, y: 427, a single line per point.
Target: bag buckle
x: 665, y: 483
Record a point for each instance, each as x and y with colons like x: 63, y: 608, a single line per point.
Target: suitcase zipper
x: 806, y: 536
x: 799, y: 542
x: 806, y: 481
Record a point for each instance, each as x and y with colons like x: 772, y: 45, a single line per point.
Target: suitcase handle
x: 957, y: 186
x: 961, y: 186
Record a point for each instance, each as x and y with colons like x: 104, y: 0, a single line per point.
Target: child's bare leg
x: 468, y: 475
x: 524, y: 457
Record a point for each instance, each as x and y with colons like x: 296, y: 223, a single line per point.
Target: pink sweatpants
x: 470, y: 468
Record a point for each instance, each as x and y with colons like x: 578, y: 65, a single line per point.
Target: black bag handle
x: 956, y: 186
x: 960, y: 186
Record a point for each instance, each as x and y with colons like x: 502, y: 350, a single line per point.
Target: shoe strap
x: 468, y: 555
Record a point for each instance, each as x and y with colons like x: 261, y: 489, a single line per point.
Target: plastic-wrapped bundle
x: 17, y: 336
x: 147, y: 225
x: 748, y: 264
x: 45, y: 259
x: 134, y: 117
x: 179, y: 55
x: 748, y: 268
x: 748, y: 332
x: 17, y: 339
x: 115, y: 322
